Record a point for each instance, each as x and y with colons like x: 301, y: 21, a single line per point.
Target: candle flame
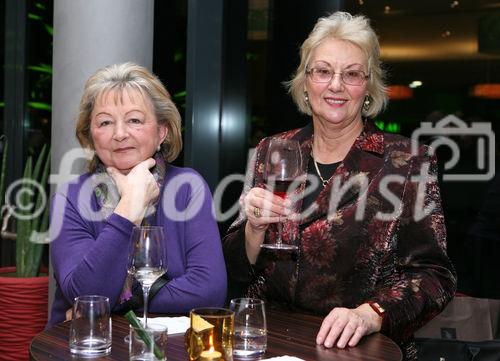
x: 211, y: 342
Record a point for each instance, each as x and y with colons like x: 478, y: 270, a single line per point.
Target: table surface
x: 289, y: 333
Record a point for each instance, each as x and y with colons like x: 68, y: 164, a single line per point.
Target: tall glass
x: 283, y: 170
x: 146, y: 260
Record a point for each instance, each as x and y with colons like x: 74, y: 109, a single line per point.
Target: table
x: 289, y: 333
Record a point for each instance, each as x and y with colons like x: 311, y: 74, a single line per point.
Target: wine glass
x: 283, y: 168
x: 146, y: 262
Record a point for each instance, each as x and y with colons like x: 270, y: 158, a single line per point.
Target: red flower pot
x: 23, y: 312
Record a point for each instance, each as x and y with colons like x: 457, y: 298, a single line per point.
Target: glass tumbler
x: 148, y: 344
x: 90, y: 329
x: 250, y: 328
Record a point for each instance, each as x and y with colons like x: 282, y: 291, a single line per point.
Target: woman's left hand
x: 346, y: 326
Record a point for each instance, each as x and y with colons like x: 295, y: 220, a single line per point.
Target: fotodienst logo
x: 471, y: 151
x: 472, y: 147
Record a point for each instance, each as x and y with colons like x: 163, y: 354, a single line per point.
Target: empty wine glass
x: 283, y: 167
x: 146, y: 258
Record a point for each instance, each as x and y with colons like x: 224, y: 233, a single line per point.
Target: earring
x: 158, y: 148
x: 306, y: 97
x: 366, y: 103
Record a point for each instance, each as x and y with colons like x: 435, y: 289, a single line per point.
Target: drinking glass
x: 283, y: 168
x: 250, y: 327
x: 210, y: 337
x: 90, y: 329
x: 146, y: 259
x: 148, y: 344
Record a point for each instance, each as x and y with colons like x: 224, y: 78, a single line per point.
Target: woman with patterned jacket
x: 368, y: 222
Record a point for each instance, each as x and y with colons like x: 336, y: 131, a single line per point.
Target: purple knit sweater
x: 89, y: 254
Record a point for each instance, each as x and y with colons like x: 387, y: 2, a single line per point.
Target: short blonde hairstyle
x: 130, y: 76
x: 356, y: 30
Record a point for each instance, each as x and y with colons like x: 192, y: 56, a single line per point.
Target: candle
x: 210, y: 355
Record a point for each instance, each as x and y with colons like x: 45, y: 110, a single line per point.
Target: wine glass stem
x: 145, y: 293
x: 280, y: 231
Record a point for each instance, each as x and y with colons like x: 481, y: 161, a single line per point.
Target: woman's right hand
x: 138, y: 189
x: 261, y: 208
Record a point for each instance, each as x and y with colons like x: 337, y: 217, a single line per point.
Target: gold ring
x: 256, y: 212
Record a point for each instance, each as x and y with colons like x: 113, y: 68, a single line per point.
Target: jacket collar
x: 370, y: 140
x: 363, y: 161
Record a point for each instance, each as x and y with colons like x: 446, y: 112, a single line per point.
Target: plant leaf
x: 3, y: 169
x: 36, y: 177
x: 23, y: 225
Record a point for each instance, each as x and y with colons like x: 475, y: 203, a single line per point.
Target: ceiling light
x: 415, y: 84
x: 399, y: 92
x: 387, y: 9
x: 488, y: 91
x: 445, y: 34
x: 361, y: 2
x: 454, y: 4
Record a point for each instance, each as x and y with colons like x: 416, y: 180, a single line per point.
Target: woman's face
x: 335, y: 102
x: 124, y: 129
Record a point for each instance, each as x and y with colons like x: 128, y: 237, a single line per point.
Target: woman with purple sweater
x: 129, y: 120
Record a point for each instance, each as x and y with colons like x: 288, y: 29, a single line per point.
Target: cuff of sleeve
x: 242, y: 270
x: 261, y: 262
x: 235, y: 253
x: 121, y: 224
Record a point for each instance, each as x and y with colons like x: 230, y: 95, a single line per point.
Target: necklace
x: 323, y: 181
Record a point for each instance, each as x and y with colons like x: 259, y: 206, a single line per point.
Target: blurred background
x: 442, y: 58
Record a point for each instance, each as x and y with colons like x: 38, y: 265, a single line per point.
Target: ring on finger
x: 256, y: 212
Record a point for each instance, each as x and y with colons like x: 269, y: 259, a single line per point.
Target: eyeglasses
x: 349, y: 77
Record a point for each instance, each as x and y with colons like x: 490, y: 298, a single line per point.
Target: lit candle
x: 210, y: 354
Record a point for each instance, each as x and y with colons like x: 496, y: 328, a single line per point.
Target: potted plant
x: 23, y: 291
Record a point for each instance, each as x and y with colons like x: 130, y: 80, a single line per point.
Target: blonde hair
x: 123, y: 77
x: 356, y: 30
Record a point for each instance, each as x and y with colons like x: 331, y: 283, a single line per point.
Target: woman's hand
x: 262, y: 208
x: 69, y: 314
x: 345, y: 327
x: 138, y: 189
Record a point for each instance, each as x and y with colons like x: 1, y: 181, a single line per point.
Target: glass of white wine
x: 147, y: 261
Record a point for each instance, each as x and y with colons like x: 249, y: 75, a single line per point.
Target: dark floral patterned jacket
x: 385, y: 240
